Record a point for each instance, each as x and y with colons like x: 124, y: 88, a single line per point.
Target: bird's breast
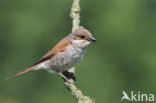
x: 74, y: 54
x: 69, y: 58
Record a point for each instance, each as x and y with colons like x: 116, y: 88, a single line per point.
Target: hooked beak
x: 91, y: 39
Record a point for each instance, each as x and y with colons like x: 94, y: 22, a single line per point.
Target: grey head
x: 81, y: 37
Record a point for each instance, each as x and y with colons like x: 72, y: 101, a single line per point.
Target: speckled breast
x: 64, y: 60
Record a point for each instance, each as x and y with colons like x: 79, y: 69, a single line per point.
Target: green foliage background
x: 123, y: 58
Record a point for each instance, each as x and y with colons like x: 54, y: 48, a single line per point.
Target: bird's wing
x: 60, y: 47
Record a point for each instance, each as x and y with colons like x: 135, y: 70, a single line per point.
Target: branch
x: 75, y: 14
x: 77, y: 94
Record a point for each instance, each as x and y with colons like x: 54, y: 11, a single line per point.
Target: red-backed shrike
x: 66, y: 54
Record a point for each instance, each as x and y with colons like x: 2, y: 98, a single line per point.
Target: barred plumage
x: 64, y: 60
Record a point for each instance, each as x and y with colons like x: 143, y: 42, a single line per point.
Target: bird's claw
x: 69, y: 75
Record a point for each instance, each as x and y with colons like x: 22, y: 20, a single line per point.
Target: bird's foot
x: 68, y: 77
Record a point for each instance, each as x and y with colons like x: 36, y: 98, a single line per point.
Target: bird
x: 66, y: 54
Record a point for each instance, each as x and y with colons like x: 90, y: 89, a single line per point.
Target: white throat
x: 81, y: 43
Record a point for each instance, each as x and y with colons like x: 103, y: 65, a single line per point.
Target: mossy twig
x: 77, y: 93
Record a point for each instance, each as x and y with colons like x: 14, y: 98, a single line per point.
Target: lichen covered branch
x: 75, y: 14
x: 78, y: 95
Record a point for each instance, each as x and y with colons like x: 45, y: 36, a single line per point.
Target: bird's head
x: 81, y: 37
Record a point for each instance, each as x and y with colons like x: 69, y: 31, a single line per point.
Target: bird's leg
x: 66, y: 78
x: 63, y: 76
x: 69, y: 75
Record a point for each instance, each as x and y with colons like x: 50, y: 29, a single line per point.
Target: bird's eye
x: 82, y: 37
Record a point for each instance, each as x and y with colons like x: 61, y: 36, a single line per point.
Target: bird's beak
x: 91, y: 39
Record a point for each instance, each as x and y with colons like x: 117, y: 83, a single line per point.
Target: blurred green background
x: 123, y: 58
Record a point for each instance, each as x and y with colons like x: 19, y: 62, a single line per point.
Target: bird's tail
x: 22, y: 72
